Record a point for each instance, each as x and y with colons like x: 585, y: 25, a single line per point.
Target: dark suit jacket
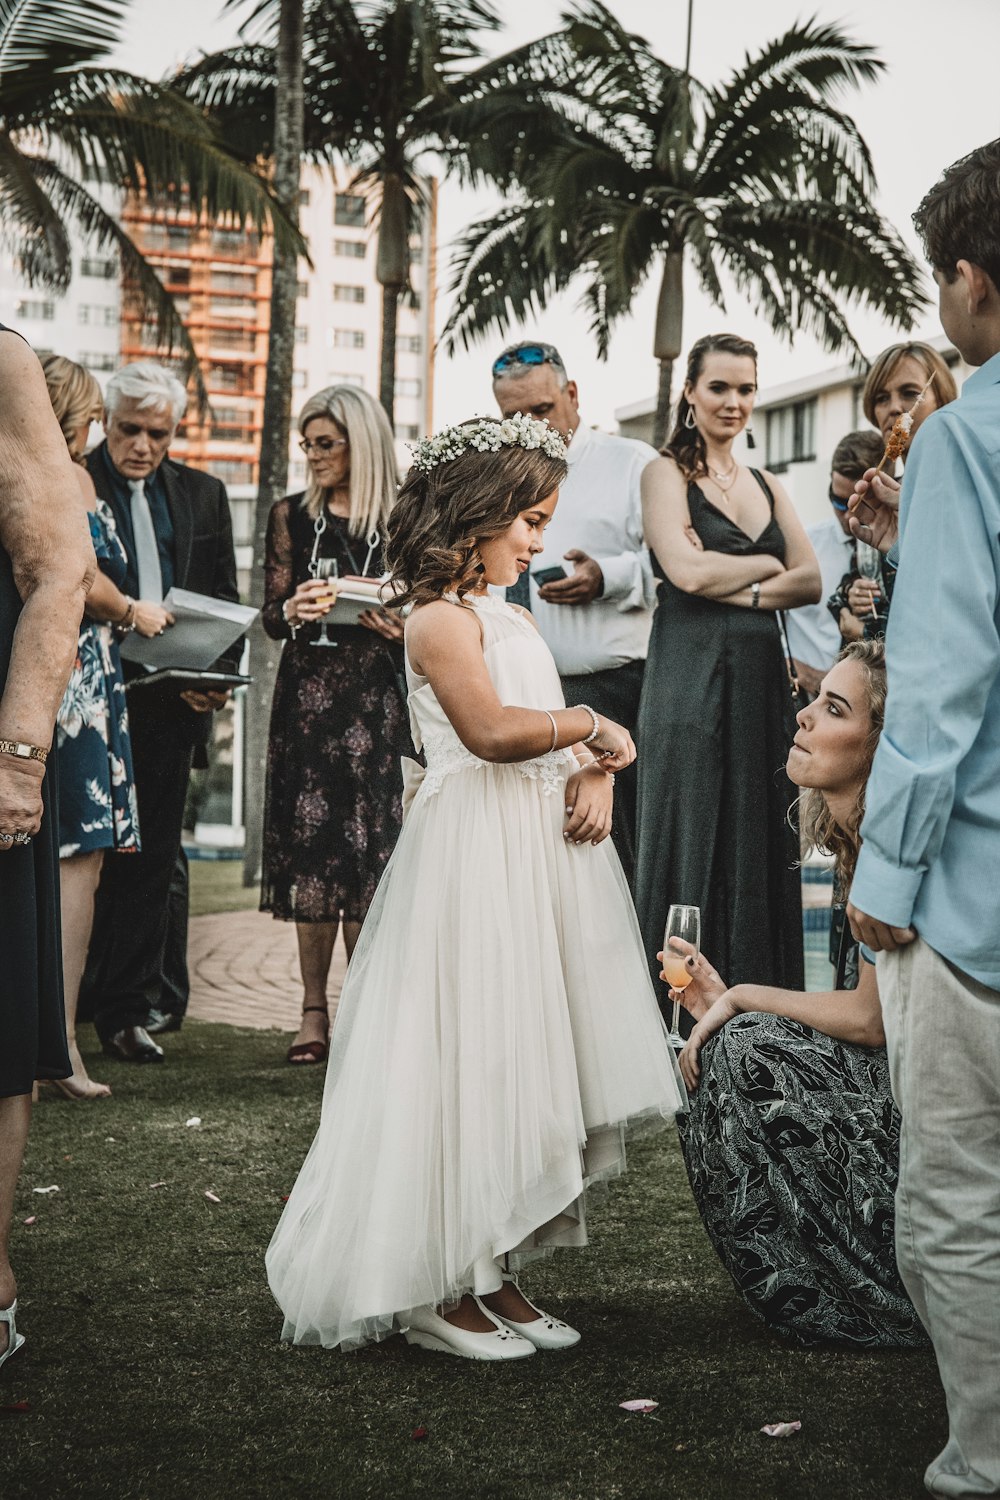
x: 204, y: 562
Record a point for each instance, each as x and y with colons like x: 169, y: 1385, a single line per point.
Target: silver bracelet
x: 293, y: 625
x: 555, y: 729
x: 755, y: 596
x: 586, y: 708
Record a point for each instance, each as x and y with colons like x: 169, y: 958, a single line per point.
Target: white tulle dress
x: 496, y: 1033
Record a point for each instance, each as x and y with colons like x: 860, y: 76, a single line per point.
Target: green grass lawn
x: 217, y: 885
x: 153, y: 1367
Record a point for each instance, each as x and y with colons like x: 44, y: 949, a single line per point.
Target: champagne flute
x: 682, y: 922
x: 326, y: 567
x: 869, y: 564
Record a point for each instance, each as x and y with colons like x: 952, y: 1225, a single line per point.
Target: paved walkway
x: 245, y: 970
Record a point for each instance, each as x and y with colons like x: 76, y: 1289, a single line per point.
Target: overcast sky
x: 938, y: 100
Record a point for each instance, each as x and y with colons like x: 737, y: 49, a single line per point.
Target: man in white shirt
x: 595, y: 618
x: 814, y: 635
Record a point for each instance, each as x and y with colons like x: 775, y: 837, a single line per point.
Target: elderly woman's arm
x: 44, y: 531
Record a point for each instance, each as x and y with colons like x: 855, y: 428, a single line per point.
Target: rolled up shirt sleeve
x: 628, y: 576
x: 628, y: 579
x: 943, y: 655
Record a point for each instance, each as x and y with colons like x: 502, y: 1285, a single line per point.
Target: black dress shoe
x: 133, y: 1044
x: 163, y: 1020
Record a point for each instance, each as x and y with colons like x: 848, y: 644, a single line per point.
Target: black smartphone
x: 549, y: 575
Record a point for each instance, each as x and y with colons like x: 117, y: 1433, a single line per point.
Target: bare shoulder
x: 525, y: 614
x: 441, y: 625
x: 86, y: 485
x: 662, y: 473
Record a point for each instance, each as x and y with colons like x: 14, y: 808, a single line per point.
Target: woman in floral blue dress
x: 97, y: 804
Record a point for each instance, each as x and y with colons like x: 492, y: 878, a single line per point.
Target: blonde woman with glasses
x: 338, y: 721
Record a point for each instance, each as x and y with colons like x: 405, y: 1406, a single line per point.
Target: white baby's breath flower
x: 483, y: 436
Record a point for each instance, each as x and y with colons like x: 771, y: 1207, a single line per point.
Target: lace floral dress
x: 792, y: 1148
x: 338, y: 731
x: 496, y: 1033
x: 97, y: 803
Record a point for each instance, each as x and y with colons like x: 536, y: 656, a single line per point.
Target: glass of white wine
x: 682, y: 922
x: 869, y: 561
x: 326, y: 567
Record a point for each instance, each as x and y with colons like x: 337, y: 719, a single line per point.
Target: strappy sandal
x: 15, y: 1340
x: 301, y: 1053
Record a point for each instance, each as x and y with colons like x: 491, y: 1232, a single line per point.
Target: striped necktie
x: 147, y: 553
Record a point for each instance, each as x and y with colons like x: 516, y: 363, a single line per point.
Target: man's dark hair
x: 959, y: 219
x: 857, y: 452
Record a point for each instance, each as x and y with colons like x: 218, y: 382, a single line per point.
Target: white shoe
x: 15, y: 1340
x: 545, y: 1332
x: 429, y: 1330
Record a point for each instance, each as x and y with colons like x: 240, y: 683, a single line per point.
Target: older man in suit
x: 175, y: 525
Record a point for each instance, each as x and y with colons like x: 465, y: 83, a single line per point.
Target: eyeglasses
x: 323, y: 444
x: 527, y: 354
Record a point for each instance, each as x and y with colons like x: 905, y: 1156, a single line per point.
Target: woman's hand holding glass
x: 704, y: 984
x: 612, y: 744
x: 589, y: 803
x: 313, y: 599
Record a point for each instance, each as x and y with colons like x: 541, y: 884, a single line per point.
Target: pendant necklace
x: 724, y: 479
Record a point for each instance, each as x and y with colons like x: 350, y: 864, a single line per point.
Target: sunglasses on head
x: 528, y: 354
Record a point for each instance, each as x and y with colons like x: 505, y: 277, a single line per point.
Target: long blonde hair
x: 374, y: 476
x: 819, y: 829
x: 75, y: 395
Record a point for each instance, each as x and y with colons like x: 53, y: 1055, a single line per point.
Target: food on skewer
x: 899, y: 437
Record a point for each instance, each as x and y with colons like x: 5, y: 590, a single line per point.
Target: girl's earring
x: 751, y: 441
x: 689, y: 418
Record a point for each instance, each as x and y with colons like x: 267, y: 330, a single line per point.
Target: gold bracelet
x: 20, y: 751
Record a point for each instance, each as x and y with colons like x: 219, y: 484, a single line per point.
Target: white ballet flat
x: 429, y: 1330
x: 545, y: 1332
x: 15, y: 1340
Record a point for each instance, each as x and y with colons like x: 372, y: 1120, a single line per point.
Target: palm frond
x: 505, y: 268
x: 30, y: 228
x: 150, y: 139
x: 80, y: 208
x: 46, y: 36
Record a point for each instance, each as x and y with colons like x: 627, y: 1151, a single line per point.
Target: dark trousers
x: 615, y: 693
x: 176, y: 986
x: 124, y: 979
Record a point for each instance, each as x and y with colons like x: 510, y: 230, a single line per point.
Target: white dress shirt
x: 813, y: 633
x: 600, y: 513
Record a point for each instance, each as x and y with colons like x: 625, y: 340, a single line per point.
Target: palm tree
x: 69, y: 121
x: 265, y: 653
x: 640, y: 169
x: 383, y: 86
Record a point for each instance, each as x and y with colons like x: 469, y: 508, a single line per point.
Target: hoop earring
x: 689, y: 418
x: 748, y: 429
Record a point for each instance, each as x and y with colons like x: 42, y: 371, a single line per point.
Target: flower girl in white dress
x: 497, y: 1029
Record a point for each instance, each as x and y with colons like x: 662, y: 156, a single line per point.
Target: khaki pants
x: 943, y: 1034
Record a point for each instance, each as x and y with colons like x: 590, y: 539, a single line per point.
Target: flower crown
x: 485, y: 436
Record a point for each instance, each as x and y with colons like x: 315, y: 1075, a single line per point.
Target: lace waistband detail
x: 445, y: 756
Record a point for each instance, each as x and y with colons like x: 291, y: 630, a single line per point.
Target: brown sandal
x: 310, y: 1052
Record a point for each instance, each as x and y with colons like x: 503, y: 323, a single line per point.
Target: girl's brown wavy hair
x: 815, y: 820
x: 442, y: 513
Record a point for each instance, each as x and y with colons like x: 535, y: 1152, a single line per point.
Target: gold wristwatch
x: 21, y: 751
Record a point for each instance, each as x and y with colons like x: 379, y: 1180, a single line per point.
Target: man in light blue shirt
x: 926, y: 894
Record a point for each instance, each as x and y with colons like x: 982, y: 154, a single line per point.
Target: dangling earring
x: 689, y: 419
x: 748, y: 429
